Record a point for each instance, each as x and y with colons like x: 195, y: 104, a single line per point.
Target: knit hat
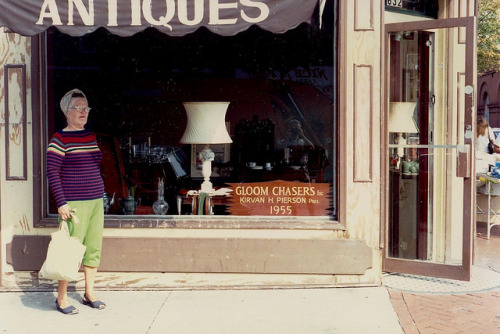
x: 66, y: 99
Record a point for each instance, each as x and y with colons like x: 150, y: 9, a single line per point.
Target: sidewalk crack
x: 408, y: 310
x: 158, y: 312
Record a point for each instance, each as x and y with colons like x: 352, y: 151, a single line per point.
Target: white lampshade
x: 401, y: 117
x: 206, y: 123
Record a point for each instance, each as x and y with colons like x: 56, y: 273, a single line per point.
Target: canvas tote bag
x: 64, y: 255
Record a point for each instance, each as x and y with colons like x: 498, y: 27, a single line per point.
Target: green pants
x: 90, y: 228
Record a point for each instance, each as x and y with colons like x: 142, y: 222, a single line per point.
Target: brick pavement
x: 456, y: 313
x: 472, y: 312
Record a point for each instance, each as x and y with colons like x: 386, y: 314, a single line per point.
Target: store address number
x: 394, y: 3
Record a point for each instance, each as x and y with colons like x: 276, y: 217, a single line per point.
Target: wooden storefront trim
x: 211, y: 255
x: 212, y: 222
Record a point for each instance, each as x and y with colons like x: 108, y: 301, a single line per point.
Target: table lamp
x: 401, y: 121
x: 206, y: 125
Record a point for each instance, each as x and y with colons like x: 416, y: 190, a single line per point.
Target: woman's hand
x: 65, y: 212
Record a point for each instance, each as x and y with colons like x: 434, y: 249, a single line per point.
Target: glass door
x: 429, y: 139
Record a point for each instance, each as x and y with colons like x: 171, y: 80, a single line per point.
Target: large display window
x: 281, y: 118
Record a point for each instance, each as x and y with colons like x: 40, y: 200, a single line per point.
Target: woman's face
x: 77, y: 114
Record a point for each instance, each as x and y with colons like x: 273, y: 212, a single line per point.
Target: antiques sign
x: 173, y: 17
x: 280, y: 198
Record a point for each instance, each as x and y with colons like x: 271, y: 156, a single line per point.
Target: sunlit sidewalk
x: 328, y: 310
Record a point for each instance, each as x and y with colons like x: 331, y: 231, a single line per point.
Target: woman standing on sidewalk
x: 485, y: 135
x: 73, y: 159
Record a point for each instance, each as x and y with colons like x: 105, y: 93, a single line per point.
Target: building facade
x: 351, y: 126
x: 488, y: 98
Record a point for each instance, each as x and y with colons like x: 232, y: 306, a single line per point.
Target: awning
x: 173, y: 17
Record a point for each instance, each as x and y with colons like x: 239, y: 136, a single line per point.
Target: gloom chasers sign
x: 280, y: 198
x: 174, y: 17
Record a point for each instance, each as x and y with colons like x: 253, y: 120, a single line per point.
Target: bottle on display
x: 160, y: 207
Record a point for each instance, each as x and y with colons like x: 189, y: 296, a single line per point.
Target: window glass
x: 280, y: 117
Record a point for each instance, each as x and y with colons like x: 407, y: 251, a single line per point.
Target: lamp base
x: 206, y: 157
x: 401, y: 141
x: 206, y: 187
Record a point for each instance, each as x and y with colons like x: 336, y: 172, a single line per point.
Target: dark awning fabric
x: 173, y: 17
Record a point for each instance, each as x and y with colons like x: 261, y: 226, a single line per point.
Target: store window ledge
x: 213, y: 222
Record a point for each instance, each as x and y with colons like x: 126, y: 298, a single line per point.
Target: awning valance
x: 173, y: 17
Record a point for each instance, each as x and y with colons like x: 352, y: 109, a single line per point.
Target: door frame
x: 417, y: 267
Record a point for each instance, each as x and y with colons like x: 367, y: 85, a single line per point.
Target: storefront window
x: 281, y: 117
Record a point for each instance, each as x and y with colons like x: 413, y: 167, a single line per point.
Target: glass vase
x: 160, y: 207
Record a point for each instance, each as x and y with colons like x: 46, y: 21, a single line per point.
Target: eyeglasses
x: 80, y: 109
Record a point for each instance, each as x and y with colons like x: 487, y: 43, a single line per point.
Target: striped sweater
x: 73, y: 159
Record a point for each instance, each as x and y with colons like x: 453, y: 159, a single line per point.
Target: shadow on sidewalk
x: 45, y: 300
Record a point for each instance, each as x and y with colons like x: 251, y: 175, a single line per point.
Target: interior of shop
x: 277, y: 86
